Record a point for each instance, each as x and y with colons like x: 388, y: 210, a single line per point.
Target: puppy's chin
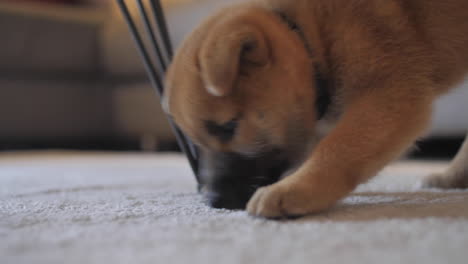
x: 229, y: 180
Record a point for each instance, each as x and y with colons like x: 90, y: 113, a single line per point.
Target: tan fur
x: 456, y: 175
x: 387, y: 59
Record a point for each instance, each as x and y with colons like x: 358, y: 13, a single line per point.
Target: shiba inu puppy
x: 293, y: 103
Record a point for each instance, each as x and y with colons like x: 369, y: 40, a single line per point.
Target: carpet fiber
x: 60, y: 207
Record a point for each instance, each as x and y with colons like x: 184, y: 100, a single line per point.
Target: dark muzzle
x: 228, y: 180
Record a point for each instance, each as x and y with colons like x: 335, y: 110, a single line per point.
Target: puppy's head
x: 242, y: 83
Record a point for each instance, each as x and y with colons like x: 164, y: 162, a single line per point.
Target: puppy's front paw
x: 284, y: 199
x: 447, y: 180
x: 437, y: 180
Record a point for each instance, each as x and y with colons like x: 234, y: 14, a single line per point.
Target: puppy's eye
x: 224, y: 132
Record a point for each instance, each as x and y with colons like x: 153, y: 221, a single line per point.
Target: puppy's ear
x: 226, y: 50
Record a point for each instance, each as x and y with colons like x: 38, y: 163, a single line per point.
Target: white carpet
x: 111, y: 208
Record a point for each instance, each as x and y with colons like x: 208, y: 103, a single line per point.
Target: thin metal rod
x: 184, y: 143
x: 158, y: 13
x: 164, y: 35
x: 149, y: 30
x: 154, y: 78
x: 161, y: 21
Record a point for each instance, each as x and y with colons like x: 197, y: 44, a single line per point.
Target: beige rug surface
x: 69, y: 207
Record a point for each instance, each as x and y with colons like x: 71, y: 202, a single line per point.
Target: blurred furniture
x: 73, y: 74
x: 57, y: 86
x: 51, y: 79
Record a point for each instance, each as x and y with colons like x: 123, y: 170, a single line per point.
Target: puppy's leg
x: 375, y: 129
x: 456, y: 176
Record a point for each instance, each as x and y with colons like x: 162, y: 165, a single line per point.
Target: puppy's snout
x: 227, y: 180
x: 230, y: 179
x: 226, y: 200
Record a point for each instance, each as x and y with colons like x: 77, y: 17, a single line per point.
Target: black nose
x: 230, y: 179
x: 227, y: 201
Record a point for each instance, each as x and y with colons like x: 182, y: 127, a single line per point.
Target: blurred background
x: 70, y: 78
